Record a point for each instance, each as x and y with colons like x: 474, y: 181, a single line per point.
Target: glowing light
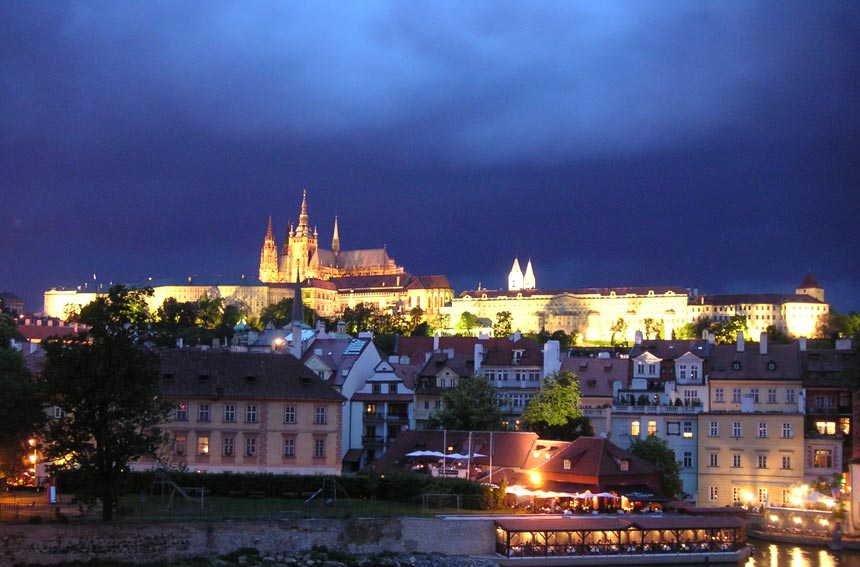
x: 535, y: 477
x: 797, y: 520
x: 774, y: 518
x: 747, y: 496
x: 824, y: 522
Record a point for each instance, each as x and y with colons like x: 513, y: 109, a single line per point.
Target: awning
x: 353, y: 456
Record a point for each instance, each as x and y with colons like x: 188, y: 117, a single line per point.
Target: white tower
x: 529, y: 278
x: 515, y: 278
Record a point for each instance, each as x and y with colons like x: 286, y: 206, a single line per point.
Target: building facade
x: 245, y: 412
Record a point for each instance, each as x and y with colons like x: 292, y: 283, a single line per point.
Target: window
x: 251, y: 413
x: 688, y: 429
x: 719, y: 395
x: 202, y: 444
x: 786, y: 462
x: 673, y: 428
x: 826, y: 427
x: 789, y: 396
x: 566, y: 464
x: 736, y: 494
x: 786, y: 431
x: 690, y: 396
x: 520, y: 375
x: 203, y: 412
x: 714, y: 429
x: 713, y: 459
x: 762, y: 429
x: 762, y: 495
x: 58, y: 412
x: 229, y: 446
x: 624, y: 465
x: 736, y: 429
x: 736, y: 365
x: 377, y: 388
x: 713, y: 492
x: 503, y: 375
x: 490, y: 375
x: 762, y: 461
x: 652, y: 369
x: 181, y: 412
x: 289, y: 414
x: 180, y: 444
x: 289, y: 447
x: 229, y: 413
x: 392, y: 388
x: 319, y: 448
x: 640, y: 368
x: 251, y: 447
x: 736, y: 461
x: 822, y: 459
x: 320, y: 415
x: 754, y: 392
x: 682, y: 371
x: 694, y: 372
x: 534, y: 375
x: 688, y: 460
x: 736, y: 395
x: 652, y: 428
x: 771, y: 395
x: 634, y: 429
x: 825, y: 402
x: 786, y: 496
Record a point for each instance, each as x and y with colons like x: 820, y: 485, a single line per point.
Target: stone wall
x: 54, y: 543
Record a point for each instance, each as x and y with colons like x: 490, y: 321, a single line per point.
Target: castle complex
x: 301, y: 257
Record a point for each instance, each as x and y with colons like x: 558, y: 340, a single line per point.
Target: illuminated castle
x: 302, y: 258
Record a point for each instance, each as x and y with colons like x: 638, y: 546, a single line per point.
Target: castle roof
x: 352, y: 259
x: 601, y: 291
x: 809, y: 281
x: 753, y: 298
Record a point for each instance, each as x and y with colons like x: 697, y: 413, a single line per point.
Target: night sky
x: 703, y: 144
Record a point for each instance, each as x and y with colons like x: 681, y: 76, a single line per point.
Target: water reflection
x: 786, y: 555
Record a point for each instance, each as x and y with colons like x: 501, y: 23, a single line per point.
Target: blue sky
x: 710, y: 145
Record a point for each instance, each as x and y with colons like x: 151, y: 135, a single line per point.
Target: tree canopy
x: 657, y: 452
x: 502, y: 326
x: 725, y: 332
x: 470, y: 406
x: 554, y: 411
x: 105, y: 384
x: 20, y: 404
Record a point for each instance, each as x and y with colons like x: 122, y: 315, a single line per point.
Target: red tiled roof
x: 809, y: 281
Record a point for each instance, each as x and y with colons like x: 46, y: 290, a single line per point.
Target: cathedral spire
x: 269, y: 230
x: 303, y: 229
x: 515, y: 278
x: 335, y: 240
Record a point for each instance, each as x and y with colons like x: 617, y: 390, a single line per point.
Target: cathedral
x: 301, y: 258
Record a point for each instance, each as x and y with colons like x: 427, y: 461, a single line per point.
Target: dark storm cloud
x: 616, y: 143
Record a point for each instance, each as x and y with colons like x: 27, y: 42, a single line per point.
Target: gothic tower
x: 301, y: 248
x: 515, y: 278
x: 335, y: 241
x: 529, y: 277
x: 269, y: 257
x: 810, y: 286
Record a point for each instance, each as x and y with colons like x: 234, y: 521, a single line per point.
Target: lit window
x: 634, y: 429
x: 179, y: 445
x: 713, y: 492
x: 652, y: 428
x: 822, y: 459
x: 202, y: 445
x: 762, y: 495
x: 181, y: 412
x: 688, y: 429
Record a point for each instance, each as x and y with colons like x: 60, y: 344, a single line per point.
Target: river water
x: 766, y: 554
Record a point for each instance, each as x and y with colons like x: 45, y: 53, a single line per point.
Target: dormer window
x: 518, y: 356
x: 736, y: 365
x: 624, y: 465
x: 771, y: 365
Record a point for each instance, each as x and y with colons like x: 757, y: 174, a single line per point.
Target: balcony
x: 658, y: 410
x: 371, y: 440
x: 385, y: 417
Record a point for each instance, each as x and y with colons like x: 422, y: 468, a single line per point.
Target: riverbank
x: 318, y: 557
x: 846, y: 542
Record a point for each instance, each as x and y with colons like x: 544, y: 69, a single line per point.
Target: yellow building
x: 245, y: 412
x: 751, y: 442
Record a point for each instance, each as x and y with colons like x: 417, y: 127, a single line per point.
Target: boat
x: 648, y: 539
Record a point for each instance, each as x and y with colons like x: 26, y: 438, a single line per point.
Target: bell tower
x: 269, y: 257
x: 302, y: 247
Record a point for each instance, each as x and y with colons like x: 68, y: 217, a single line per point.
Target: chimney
x: 802, y: 343
x: 712, y: 338
x: 479, y: 358
x: 762, y: 343
x: 179, y: 342
x: 436, y: 342
x: 638, y: 338
x: 516, y: 336
x: 450, y: 352
x: 551, y: 357
x: 740, y: 341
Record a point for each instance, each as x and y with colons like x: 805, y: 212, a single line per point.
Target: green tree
x: 467, y: 322
x: 502, y: 326
x: 359, y: 318
x: 106, y: 385
x: 835, y: 325
x: 209, y: 311
x: 657, y: 452
x: 416, y: 318
x: 727, y: 331
x: 470, y: 406
x: 280, y: 314
x: 777, y: 336
x: 20, y: 404
x: 554, y: 411
x: 653, y: 328
x: 440, y: 323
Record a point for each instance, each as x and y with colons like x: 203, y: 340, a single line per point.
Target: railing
x: 377, y: 417
x: 656, y: 410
